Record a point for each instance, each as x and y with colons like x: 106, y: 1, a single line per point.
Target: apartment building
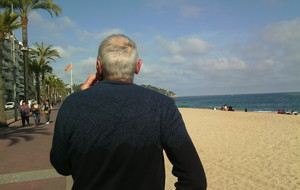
x: 12, y: 71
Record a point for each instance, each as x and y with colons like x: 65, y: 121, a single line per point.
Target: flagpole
x: 71, y: 78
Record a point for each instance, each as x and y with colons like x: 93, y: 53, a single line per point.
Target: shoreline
x: 266, y: 102
x: 239, y: 111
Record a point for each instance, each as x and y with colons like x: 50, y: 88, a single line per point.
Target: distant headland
x: 163, y: 91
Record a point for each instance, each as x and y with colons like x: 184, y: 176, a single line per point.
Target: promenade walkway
x: 24, y: 157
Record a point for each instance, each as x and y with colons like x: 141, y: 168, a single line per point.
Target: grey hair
x: 118, y: 56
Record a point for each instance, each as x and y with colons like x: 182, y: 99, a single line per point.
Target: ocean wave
x: 266, y: 111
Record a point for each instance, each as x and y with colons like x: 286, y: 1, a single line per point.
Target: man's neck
x: 121, y: 80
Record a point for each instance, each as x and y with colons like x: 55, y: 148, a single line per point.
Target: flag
x: 68, y: 67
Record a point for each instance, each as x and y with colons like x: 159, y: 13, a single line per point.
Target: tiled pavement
x: 24, y: 157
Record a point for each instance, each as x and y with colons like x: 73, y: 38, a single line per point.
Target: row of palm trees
x: 53, y: 88
x: 40, y: 57
x: 23, y: 8
x: 36, y: 58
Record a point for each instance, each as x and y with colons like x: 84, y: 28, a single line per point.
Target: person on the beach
x: 111, y: 135
x: 24, y: 112
x: 294, y: 112
x: 36, y: 110
x: 47, y: 111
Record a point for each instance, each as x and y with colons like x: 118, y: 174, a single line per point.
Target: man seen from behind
x: 111, y: 135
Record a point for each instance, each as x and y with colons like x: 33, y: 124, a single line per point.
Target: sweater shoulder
x: 156, y: 94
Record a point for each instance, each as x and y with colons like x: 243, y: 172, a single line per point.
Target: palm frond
x: 49, y: 6
x: 8, y: 21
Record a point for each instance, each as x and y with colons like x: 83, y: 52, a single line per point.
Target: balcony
x: 19, y: 90
x: 7, y: 76
x: 20, y: 86
x: 7, y: 55
x: 8, y: 86
x: 5, y: 63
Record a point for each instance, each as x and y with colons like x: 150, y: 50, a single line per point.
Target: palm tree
x: 23, y: 8
x: 40, y: 58
x: 38, y: 70
x: 54, y: 88
x: 8, y: 22
x: 45, y: 70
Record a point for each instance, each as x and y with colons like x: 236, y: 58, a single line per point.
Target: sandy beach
x: 245, y: 150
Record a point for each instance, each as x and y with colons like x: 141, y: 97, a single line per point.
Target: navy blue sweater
x: 112, y: 136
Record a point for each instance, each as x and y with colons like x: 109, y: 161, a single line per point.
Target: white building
x: 12, y: 65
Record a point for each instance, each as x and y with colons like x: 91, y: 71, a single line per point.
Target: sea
x: 267, y: 102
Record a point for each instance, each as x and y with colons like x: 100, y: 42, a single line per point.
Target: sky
x: 189, y: 47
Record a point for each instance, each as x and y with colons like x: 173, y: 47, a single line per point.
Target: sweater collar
x: 115, y: 82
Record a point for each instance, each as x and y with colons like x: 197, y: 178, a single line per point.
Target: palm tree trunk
x: 47, y: 92
x: 55, y: 96
x: 38, y: 89
x: 3, y: 121
x: 51, y: 93
x: 24, y: 22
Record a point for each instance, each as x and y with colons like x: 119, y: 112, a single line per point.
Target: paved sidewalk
x: 24, y: 157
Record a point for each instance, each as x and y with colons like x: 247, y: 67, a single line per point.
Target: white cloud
x: 284, y: 34
x: 184, y: 46
x: 274, y: 51
x: 62, y: 22
x: 83, y: 68
x: 50, y: 30
x: 177, y: 59
x: 83, y: 35
x: 149, y: 68
x: 252, y: 51
x: 66, y: 22
x: 38, y: 21
x: 264, y: 64
x: 108, y: 32
x: 35, y: 17
x: 158, y: 76
x: 220, y: 64
x: 68, y: 51
x: 61, y: 51
x: 90, y: 61
x: 271, y: 57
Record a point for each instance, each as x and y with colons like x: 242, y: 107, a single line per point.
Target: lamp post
x: 24, y: 49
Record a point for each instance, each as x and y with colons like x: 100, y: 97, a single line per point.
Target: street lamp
x: 24, y: 49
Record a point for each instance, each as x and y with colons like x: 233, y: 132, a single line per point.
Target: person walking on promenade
x: 47, y: 111
x: 36, y: 110
x: 111, y: 134
x: 24, y: 112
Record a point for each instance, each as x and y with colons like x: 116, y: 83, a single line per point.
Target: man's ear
x: 138, y: 66
x: 99, y: 67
